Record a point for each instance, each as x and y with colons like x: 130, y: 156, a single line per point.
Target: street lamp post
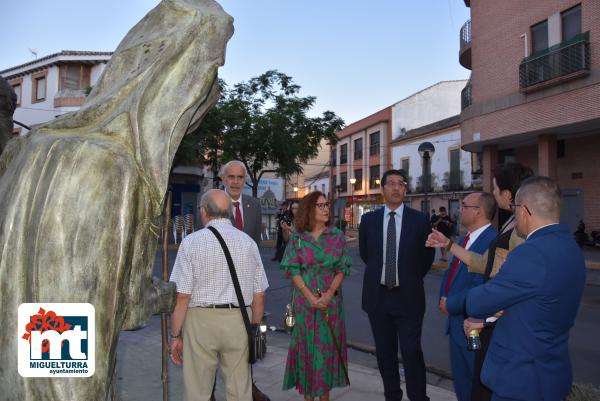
x: 352, y: 182
x: 426, y: 150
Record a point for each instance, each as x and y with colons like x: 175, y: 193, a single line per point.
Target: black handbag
x: 257, y: 339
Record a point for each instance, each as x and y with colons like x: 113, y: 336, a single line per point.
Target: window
x: 477, y: 163
x: 359, y: 179
x: 358, y: 149
x: 17, y: 89
x: 74, y: 76
x: 539, y: 36
x: 507, y: 156
x: 333, y: 157
x: 323, y: 189
x: 38, y: 87
x: 454, y: 179
x: 344, y: 182
x: 344, y: 154
x: 571, y: 22
x: 374, y: 143
x: 405, y: 165
x: 374, y: 177
x: 560, y: 148
x: 334, y: 182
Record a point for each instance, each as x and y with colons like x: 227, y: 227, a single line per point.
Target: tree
x: 264, y: 124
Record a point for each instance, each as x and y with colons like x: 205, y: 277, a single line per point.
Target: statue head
x: 159, y: 83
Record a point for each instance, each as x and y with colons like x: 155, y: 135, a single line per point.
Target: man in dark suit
x: 392, y: 244
x: 476, y: 213
x: 539, y: 287
x: 246, y: 212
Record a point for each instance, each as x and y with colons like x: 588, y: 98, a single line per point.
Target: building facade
x: 369, y: 147
x: 53, y: 85
x: 357, y: 162
x: 452, y: 177
x: 533, y: 94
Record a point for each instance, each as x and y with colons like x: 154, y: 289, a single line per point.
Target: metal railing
x: 466, y: 96
x: 465, y: 35
x: 464, y: 54
x: 563, y: 60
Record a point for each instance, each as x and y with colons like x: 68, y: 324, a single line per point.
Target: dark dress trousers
x: 396, y: 314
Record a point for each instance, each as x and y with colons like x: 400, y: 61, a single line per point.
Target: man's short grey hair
x: 231, y: 163
x: 542, y: 196
x: 487, y: 203
x: 213, y: 211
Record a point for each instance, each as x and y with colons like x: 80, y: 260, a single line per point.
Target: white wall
x: 432, y: 104
x: 441, y: 158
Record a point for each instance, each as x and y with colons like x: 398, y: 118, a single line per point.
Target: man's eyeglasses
x: 399, y: 184
x: 468, y: 206
x: 514, y: 206
x: 322, y: 206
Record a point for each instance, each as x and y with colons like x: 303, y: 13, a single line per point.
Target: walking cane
x: 163, y: 316
x: 335, y: 343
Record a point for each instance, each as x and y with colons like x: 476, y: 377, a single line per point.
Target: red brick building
x: 534, y: 94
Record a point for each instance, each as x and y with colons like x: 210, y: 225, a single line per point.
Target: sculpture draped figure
x: 81, y: 196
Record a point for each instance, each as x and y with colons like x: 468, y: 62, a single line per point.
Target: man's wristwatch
x: 175, y: 336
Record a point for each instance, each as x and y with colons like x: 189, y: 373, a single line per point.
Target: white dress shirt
x: 201, y: 267
x: 475, y: 234
x: 386, y: 219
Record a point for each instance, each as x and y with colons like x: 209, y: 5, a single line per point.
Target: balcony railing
x: 566, y: 60
x: 464, y: 54
x: 466, y: 95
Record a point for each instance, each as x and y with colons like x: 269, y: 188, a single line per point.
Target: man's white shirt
x: 201, y: 267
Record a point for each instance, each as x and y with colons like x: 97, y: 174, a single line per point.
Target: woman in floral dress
x: 316, y: 259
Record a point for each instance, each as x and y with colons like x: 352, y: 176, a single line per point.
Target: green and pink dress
x: 314, y: 364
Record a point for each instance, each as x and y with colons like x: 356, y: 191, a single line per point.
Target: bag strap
x: 234, y: 278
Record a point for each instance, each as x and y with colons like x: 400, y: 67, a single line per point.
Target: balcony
x: 69, y: 98
x: 464, y: 54
x: 565, y: 61
x: 466, y: 95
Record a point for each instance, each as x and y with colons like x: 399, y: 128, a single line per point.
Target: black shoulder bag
x: 257, y: 340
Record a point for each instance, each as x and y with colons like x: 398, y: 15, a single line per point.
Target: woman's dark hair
x: 292, y: 203
x: 304, y: 219
x: 509, y: 176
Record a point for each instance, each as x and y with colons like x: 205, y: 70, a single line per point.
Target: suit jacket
x: 252, y: 216
x: 539, y: 287
x: 461, y: 283
x: 413, y: 262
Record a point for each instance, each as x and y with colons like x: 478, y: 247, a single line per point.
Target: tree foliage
x: 263, y: 123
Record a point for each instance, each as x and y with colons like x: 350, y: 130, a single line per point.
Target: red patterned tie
x: 455, y: 263
x: 239, y: 223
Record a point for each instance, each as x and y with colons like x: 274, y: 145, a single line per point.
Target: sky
x: 355, y: 57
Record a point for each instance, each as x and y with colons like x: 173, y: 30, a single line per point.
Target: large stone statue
x: 8, y: 103
x: 81, y: 196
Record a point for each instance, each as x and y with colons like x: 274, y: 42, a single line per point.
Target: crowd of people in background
x: 510, y: 294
